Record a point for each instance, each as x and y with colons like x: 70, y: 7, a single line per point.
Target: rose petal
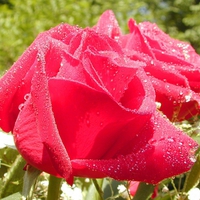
x: 86, y: 116
x: 15, y: 84
x: 162, y: 152
x: 157, y: 39
x: 88, y: 37
x: 168, y: 62
x: 135, y: 40
x: 177, y: 103
x: 35, y: 127
x: 114, y: 74
x: 108, y: 25
x: 167, y: 49
x: 63, y: 32
x: 9, y: 84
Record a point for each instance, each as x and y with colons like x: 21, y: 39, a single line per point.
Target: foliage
x: 22, y: 20
x: 180, y: 19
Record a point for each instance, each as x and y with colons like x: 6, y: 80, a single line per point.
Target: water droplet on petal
x: 21, y: 106
x: 88, y: 122
x: 38, y: 57
x: 180, y: 93
x: 158, y: 105
x: 116, y: 38
x: 152, y: 141
x: 187, y: 98
x: 170, y: 139
x: 26, y: 96
x: 152, y: 62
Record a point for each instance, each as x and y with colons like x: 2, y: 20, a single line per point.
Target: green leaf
x: 12, y: 182
x: 95, y: 190
x: 16, y: 196
x: 193, y: 177
x: 29, y: 178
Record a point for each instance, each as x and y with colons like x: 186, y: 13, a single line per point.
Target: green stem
x: 54, y: 188
x: 98, y: 183
x: 95, y: 190
x: 144, y: 191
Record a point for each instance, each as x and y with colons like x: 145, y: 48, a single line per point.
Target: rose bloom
x: 78, y: 106
x: 172, y: 65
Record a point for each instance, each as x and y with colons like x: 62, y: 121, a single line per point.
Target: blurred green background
x: 22, y: 20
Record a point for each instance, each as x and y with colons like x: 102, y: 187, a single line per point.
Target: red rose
x: 78, y: 106
x: 172, y: 65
